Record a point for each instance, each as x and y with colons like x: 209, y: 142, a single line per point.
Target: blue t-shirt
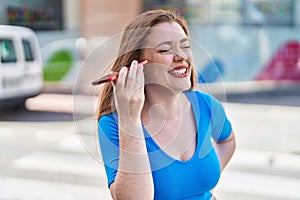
x: 176, y: 179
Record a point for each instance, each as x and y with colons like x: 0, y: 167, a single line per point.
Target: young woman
x: 159, y: 138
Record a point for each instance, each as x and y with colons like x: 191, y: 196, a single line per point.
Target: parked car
x: 21, y: 70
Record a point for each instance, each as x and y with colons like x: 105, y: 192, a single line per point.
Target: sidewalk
x: 256, y: 92
x: 254, y: 87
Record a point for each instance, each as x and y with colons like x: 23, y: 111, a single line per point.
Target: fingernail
x: 141, y: 67
x: 124, y: 69
x: 134, y: 62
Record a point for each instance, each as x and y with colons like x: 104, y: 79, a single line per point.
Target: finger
x: 113, y: 82
x: 140, y: 75
x: 120, y: 82
x: 131, y: 78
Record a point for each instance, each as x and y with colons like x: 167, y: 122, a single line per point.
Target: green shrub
x: 58, y: 65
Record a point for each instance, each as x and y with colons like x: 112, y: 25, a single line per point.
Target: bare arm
x: 225, y: 150
x: 134, y: 177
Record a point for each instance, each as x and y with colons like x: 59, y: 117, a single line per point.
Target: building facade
x: 250, y: 32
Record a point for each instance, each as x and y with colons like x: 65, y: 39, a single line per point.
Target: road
x: 45, y: 154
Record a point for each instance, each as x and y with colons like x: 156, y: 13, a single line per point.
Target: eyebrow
x: 170, y: 42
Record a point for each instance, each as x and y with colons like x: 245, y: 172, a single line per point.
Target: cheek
x: 190, y: 56
x: 163, y: 59
x: 151, y: 71
x: 155, y: 73
x: 149, y: 75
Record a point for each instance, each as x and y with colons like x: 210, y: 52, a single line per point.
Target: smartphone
x: 112, y: 76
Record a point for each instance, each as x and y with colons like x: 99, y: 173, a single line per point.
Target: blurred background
x: 48, y: 139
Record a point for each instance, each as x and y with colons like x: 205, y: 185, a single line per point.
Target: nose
x: 180, y: 55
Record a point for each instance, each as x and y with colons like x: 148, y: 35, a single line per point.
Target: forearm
x: 134, y: 177
x: 225, y: 150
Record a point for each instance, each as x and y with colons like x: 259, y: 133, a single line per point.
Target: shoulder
x: 201, y: 97
x: 108, y: 128
x: 205, y: 102
x: 108, y: 121
x: 108, y: 118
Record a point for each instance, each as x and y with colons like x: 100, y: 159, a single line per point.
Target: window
x: 7, y: 51
x: 39, y: 15
x: 27, y: 50
x: 253, y: 12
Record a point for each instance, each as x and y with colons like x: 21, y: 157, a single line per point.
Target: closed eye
x: 163, y: 50
x: 185, y: 44
x: 186, y: 47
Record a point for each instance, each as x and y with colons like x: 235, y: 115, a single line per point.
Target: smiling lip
x: 179, y: 72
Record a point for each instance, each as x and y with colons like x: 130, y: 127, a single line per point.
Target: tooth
x: 178, y: 71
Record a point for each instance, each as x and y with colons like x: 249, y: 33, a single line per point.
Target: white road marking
x: 81, y: 104
x: 29, y: 189
x: 259, y: 184
x: 57, y: 162
x: 6, y: 132
x: 265, y: 160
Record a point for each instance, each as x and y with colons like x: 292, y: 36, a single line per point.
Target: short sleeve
x: 221, y: 126
x: 109, y: 145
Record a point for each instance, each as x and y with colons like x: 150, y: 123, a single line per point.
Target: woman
x: 154, y: 130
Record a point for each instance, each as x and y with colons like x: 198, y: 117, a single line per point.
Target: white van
x: 21, y: 71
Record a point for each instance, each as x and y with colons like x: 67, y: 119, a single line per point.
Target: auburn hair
x: 132, y: 40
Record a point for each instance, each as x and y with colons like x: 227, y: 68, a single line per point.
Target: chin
x: 182, y: 87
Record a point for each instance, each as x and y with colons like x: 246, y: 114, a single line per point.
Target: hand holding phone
x: 111, y: 76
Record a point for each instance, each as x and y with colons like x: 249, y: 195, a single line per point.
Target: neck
x: 162, y: 104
